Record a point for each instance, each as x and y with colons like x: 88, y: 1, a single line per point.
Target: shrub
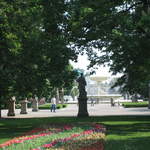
x: 4, y: 106
x: 58, y: 106
x: 64, y: 105
x: 48, y: 105
x: 45, y: 106
x: 18, y: 106
x: 29, y: 104
x: 135, y: 104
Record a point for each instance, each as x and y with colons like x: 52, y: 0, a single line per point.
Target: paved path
x: 72, y: 110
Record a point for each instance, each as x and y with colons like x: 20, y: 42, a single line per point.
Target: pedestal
x: 11, y: 107
x: 82, y: 110
x: 24, y: 107
x: 35, y: 105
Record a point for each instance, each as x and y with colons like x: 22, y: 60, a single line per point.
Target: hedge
x: 48, y: 105
x: 135, y: 104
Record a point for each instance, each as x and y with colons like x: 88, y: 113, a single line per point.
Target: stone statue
x: 82, y: 100
x: 81, y: 86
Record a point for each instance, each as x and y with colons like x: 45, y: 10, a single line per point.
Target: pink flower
x: 66, y: 127
x: 88, y: 132
x: 75, y: 135
x: 47, y: 145
x: 98, y: 126
x: 18, y: 141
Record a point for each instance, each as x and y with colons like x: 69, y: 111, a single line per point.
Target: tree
x: 116, y: 33
x: 55, y: 44
x: 10, y: 48
x: 34, y: 44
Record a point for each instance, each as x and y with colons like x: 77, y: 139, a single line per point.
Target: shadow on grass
x: 121, y: 129
x: 138, y: 143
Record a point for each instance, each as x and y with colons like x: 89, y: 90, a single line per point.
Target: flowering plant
x: 54, y: 137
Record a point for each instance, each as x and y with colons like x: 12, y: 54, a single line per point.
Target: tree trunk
x: 61, y: 94
x: 0, y: 113
x: 57, y: 96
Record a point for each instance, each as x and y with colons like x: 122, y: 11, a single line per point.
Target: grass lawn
x: 123, y: 132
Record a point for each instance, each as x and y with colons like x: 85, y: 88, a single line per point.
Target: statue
x: 81, y: 86
x: 82, y: 100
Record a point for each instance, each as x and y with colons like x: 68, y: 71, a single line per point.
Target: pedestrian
x: 92, y: 102
x: 112, y: 102
x: 53, y: 104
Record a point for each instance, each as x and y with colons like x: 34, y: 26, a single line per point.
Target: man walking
x: 53, y: 104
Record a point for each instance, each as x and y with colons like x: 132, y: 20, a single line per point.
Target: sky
x: 83, y: 63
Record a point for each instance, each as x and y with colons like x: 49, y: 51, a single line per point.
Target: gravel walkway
x: 72, y: 110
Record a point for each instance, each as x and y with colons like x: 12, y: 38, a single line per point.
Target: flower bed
x: 60, y: 137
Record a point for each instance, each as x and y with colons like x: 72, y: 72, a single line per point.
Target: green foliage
x: 48, y: 105
x: 18, y: 106
x: 64, y: 105
x: 45, y: 106
x: 59, y: 106
x: 34, y: 44
x: 116, y: 33
x: 39, y: 45
x: 135, y: 104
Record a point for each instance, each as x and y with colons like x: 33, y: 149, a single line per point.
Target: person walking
x: 92, y: 102
x: 53, y: 104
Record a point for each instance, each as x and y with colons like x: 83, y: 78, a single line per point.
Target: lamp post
x: 149, y: 95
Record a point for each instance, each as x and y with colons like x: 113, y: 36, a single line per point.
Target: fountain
x: 99, y: 89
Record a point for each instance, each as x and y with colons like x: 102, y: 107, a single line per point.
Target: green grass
x: 135, y: 104
x: 47, y: 106
x: 123, y: 132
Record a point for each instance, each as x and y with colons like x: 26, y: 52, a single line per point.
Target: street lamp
x: 149, y: 95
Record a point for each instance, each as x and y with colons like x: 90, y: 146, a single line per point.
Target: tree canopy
x: 33, y: 48
x: 38, y: 38
x: 116, y: 33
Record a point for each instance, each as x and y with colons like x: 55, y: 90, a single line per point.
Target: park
x: 48, y: 104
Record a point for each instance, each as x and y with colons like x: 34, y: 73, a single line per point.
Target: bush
x: 135, y: 104
x: 45, y: 106
x: 48, y: 105
x: 64, y: 105
x: 4, y: 106
x: 18, y: 106
x: 29, y: 105
x: 58, y: 106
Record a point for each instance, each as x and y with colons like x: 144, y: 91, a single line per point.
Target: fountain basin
x: 104, y: 98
